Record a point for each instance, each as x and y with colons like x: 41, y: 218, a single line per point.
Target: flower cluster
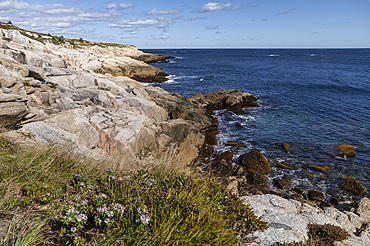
x: 143, y: 216
x: 107, y: 214
x: 81, y: 181
x: 112, y: 176
x: 88, y: 206
x: 70, y: 215
x: 79, y: 202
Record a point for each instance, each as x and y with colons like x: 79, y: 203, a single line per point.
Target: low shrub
x: 321, y: 235
x: 326, y: 234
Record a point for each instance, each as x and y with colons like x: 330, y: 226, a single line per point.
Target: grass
x: 81, y: 202
x: 26, y: 230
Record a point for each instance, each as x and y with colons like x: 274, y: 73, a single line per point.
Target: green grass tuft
x: 87, y: 204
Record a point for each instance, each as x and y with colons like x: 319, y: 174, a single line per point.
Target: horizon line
x: 256, y: 48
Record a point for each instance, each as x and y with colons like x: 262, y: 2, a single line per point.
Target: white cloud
x: 13, y: 5
x: 125, y: 6
x: 161, y: 38
x: 211, y: 27
x: 286, y: 11
x: 208, y: 7
x: 111, y: 6
x: 130, y: 37
x: 44, y: 14
x: 195, y: 18
x: 160, y: 22
x: 169, y: 12
x: 134, y: 23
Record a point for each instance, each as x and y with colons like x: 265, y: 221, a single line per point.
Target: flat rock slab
x: 269, y: 203
x: 288, y: 221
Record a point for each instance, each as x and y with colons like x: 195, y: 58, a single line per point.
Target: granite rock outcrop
x: 288, y: 220
x: 57, y: 94
x: 233, y: 100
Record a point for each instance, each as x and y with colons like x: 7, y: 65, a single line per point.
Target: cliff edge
x: 85, y: 96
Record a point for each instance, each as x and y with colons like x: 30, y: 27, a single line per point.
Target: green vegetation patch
x: 85, y: 205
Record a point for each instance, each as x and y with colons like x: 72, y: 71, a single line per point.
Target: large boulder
x: 221, y: 165
x: 363, y: 206
x: 282, y: 184
x: 254, y: 162
x: 12, y: 112
x: 233, y: 100
x: 352, y: 185
x: 257, y: 180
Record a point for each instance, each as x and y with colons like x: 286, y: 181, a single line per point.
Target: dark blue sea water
x: 311, y: 99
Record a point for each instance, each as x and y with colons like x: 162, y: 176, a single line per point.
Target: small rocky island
x: 90, y: 97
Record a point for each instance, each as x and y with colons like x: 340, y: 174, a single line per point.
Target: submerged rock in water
x: 319, y: 168
x: 283, y: 166
x: 352, y: 185
x: 308, y: 174
x: 234, y: 144
x: 285, y: 146
x: 238, y: 125
x: 346, y: 150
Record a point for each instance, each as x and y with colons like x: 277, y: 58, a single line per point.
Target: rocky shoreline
x: 289, y: 211
x: 88, y: 96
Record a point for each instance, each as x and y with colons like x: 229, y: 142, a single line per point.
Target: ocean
x: 311, y: 99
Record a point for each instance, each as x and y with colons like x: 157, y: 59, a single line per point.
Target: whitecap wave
x: 273, y: 55
x: 247, y: 118
x: 171, y: 79
x: 178, y: 79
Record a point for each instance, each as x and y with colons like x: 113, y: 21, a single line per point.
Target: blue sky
x: 199, y: 24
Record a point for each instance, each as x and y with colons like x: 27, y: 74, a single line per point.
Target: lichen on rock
x: 346, y: 150
x: 352, y: 185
